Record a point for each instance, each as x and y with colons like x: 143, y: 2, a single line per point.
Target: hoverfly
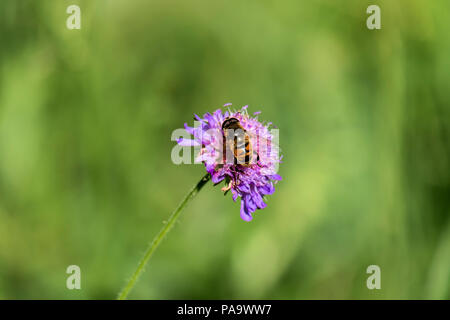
x: 236, y: 139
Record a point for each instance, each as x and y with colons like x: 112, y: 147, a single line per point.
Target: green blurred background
x: 86, y: 177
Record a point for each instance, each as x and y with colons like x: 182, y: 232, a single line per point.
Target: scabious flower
x: 252, y: 181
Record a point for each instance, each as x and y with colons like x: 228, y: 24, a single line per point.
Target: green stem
x: 160, y: 236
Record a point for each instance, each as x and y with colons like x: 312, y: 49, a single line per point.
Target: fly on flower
x: 241, y: 151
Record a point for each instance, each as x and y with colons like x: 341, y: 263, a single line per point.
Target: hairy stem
x: 160, y: 236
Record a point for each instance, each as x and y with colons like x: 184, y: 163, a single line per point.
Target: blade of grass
x: 160, y: 236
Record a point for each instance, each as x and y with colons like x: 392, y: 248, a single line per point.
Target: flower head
x: 251, y: 171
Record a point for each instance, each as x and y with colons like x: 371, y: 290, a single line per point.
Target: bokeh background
x: 86, y: 177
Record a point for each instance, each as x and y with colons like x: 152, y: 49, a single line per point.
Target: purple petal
x: 235, y: 194
x: 267, y: 189
x: 210, y: 168
x: 198, y: 118
x: 250, y: 204
x: 258, y: 201
x: 209, y: 117
x: 187, y: 142
x: 246, y: 216
x: 244, y: 188
x: 218, y: 114
x: 216, y: 177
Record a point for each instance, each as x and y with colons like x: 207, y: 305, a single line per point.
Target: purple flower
x: 251, y: 180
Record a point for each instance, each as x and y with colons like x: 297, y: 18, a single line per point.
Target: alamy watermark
x: 74, y: 20
x: 374, y: 281
x: 374, y: 20
x: 237, y: 147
